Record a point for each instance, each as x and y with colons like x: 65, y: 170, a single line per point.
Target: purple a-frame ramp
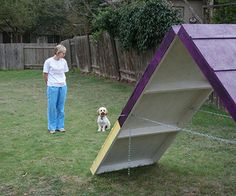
x: 191, y: 61
x: 213, y: 47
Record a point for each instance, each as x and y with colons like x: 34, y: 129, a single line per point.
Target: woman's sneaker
x: 52, y: 131
x: 61, y: 130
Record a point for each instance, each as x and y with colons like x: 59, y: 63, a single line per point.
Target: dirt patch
x: 7, y: 190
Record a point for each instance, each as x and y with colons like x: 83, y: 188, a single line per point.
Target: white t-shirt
x: 56, y: 71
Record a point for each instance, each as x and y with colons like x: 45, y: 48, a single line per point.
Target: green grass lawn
x: 33, y: 162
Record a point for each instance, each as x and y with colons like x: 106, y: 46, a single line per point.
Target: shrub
x: 139, y: 25
x: 105, y: 20
x: 225, y: 14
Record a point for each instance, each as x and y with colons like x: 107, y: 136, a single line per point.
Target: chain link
x: 188, y: 130
x: 129, y: 153
x: 226, y: 141
x: 216, y: 114
x: 210, y: 137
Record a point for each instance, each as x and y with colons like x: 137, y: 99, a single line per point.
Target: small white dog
x: 103, y: 121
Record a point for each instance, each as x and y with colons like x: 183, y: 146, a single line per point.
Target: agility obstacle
x: 191, y: 62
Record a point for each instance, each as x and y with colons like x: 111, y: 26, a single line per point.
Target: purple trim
x: 148, y: 73
x: 208, y: 71
x: 176, y: 28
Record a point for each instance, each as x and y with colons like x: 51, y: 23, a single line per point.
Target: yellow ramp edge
x: 105, y: 147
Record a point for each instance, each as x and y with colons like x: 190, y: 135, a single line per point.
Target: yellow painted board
x: 105, y: 147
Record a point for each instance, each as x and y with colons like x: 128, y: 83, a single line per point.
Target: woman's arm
x: 45, y: 77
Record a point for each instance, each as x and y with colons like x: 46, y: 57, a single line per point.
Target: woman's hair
x: 60, y: 48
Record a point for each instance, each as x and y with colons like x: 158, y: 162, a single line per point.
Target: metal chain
x: 183, y: 129
x: 216, y: 114
x: 211, y: 137
x: 129, y: 149
x: 129, y: 153
x: 189, y: 131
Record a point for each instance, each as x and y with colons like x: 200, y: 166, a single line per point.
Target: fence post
x: 2, y: 57
x: 22, y: 60
x: 70, y: 53
x: 115, y: 56
x: 89, y: 50
x: 66, y: 43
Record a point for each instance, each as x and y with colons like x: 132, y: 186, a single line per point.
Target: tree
x: 82, y: 12
x: 39, y: 17
x: 47, y: 17
x: 51, y: 18
x: 16, y: 16
x: 225, y: 13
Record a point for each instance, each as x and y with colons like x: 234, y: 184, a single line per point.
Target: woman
x: 54, y: 75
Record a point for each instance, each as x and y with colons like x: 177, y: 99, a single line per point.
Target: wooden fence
x: 19, y: 56
x: 105, y: 57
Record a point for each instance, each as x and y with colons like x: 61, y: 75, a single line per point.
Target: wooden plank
x: 29, y: 55
x: 131, y: 63
x: 14, y: 56
x: 141, y: 131
x: 179, y: 86
x: 33, y: 66
x: 106, y: 58
x: 39, y: 46
x: 72, y: 52
x: 8, y: 56
x: 106, y: 146
x: 82, y: 53
x: 20, y: 57
x: 2, y: 57
x: 93, y: 52
x: 66, y: 43
x: 128, y: 164
x: 39, y: 58
x: 35, y: 54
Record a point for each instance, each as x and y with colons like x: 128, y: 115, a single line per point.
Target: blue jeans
x: 56, y: 101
